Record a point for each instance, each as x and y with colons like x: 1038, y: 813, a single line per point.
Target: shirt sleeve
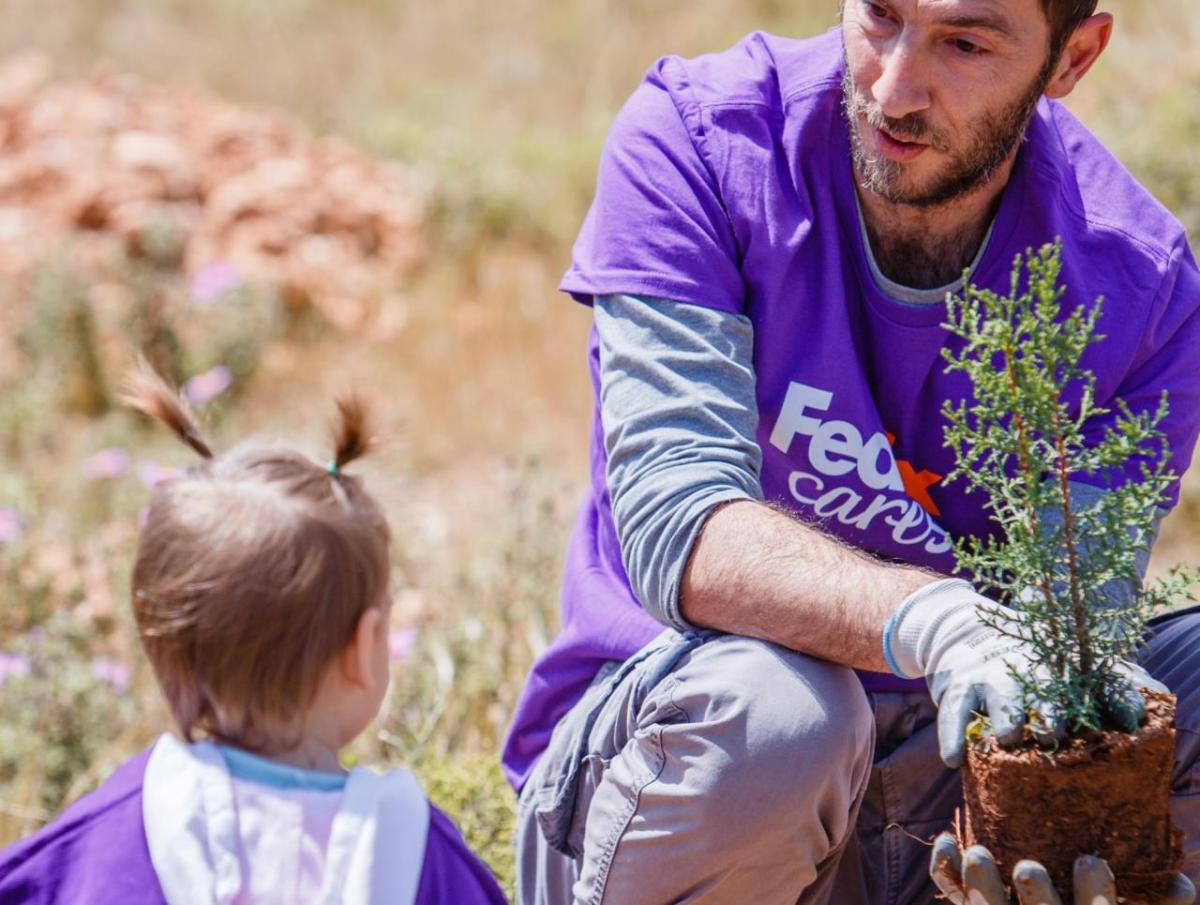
x: 677, y: 400
x: 451, y: 872
x: 658, y: 226
x: 1166, y: 361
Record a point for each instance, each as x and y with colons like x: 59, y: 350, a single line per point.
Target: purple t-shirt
x: 96, y: 851
x: 726, y: 182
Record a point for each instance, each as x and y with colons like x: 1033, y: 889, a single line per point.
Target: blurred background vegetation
x: 497, y: 108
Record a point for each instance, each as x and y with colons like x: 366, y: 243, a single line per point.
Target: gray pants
x: 716, y: 768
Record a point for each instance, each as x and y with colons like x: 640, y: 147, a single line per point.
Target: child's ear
x: 357, y: 657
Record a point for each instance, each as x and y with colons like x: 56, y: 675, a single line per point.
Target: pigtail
x: 147, y: 392
x: 352, y: 438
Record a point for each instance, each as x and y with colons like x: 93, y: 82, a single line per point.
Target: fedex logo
x: 837, y: 448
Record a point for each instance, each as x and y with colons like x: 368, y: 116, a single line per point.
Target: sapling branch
x: 1032, y: 427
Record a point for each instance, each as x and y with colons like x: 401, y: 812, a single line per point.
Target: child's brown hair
x: 253, y: 569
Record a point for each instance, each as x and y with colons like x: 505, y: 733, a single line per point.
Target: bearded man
x: 774, y: 232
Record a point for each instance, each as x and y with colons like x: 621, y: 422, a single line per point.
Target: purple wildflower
x: 13, y: 666
x: 152, y: 474
x: 400, y: 642
x: 108, y: 463
x: 11, y: 524
x: 209, y: 385
x: 212, y: 281
x: 114, y: 673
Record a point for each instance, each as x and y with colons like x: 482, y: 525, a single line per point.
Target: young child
x: 261, y: 597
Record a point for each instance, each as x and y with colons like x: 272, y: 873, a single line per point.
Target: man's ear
x: 1083, y: 48
x: 356, y: 659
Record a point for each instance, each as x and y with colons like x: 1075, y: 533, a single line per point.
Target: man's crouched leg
x: 708, y: 767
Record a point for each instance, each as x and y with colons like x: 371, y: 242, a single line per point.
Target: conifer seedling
x: 1022, y: 441
x: 1030, y: 433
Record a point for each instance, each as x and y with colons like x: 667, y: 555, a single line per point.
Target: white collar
x: 375, y: 852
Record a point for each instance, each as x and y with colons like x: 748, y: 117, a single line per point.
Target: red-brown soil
x: 1104, y: 794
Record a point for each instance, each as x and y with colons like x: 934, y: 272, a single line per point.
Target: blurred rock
x: 22, y: 76
x: 107, y: 165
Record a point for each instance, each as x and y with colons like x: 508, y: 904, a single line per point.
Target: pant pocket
x: 577, y: 754
x: 614, y: 802
x: 558, y: 778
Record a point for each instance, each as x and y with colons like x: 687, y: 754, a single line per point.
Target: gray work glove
x: 973, y: 879
x: 938, y: 632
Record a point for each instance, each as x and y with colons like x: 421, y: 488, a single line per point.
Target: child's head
x: 262, y: 584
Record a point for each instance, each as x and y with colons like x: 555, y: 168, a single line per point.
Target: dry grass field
x: 498, y: 109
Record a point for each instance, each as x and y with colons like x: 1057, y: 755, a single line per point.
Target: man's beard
x: 989, y: 144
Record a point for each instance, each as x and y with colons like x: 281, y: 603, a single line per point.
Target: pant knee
x: 783, y: 725
x: 747, y: 767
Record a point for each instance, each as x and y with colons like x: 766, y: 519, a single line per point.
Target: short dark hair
x: 1064, y: 17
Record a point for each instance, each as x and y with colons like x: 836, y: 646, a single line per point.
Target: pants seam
x: 605, y: 858
x: 891, y: 851
x: 670, y: 709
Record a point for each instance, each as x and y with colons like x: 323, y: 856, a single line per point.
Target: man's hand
x: 940, y: 632
x: 973, y: 879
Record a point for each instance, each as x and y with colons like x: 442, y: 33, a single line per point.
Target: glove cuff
x: 909, y: 631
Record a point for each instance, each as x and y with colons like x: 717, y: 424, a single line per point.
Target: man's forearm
x: 758, y: 572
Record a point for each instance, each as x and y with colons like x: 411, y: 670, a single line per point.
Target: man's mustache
x: 911, y: 128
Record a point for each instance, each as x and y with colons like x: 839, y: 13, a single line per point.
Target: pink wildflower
x: 152, y: 474
x: 400, y: 642
x: 209, y: 385
x: 213, y: 280
x: 108, y: 463
x: 114, y: 673
x: 13, y: 666
x: 11, y: 524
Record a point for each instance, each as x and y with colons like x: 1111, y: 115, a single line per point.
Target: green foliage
x: 1027, y: 433
x: 183, y: 337
x: 61, y: 343
x: 472, y: 789
x: 60, y: 708
x: 77, y: 337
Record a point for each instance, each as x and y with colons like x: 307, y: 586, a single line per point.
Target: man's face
x: 938, y: 92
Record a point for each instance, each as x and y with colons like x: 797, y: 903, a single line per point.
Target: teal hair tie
x: 332, y: 467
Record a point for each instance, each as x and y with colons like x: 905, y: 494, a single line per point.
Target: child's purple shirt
x: 96, y: 852
x: 726, y: 182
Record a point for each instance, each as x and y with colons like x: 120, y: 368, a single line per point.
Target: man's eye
x: 877, y: 11
x: 967, y: 48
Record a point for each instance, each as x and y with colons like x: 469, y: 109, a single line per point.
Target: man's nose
x: 901, y: 88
